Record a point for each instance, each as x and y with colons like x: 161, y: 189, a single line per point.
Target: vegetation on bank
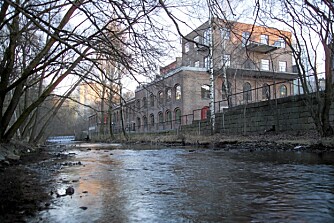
x: 271, y: 140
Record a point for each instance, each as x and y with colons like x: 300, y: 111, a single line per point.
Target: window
x: 177, y: 92
x: 161, y: 117
x: 247, y: 93
x: 186, y: 47
x: 264, y: 39
x: 152, y: 100
x: 281, y: 42
x: 169, y: 94
x: 245, y: 38
x: 145, y: 121
x: 265, y: 91
x: 144, y: 102
x: 168, y: 116
x: 138, y: 122
x: 197, y: 63
x: 206, y: 37
x: 207, y: 62
x: 196, y: 40
x: 161, y: 97
x: 264, y: 64
x: 152, y: 119
x: 282, y: 66
x: 226, y: 60
x: 205, y: 91
x: 283, y: 91
x: 177, y: 112
x: 225, y: 34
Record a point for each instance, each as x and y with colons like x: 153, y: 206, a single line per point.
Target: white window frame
x: 264, y: 39
x: 196, y: 64
x: 265, y: 64
x: 282, y: 66
x: 207, y: 37
x: 282, y: 42
x: 207, y: 62
x: 225, y: 33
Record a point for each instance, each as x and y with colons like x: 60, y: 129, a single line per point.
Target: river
x: 193, y: 185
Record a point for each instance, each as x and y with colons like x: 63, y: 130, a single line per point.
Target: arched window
x: 145, y: 121
x: 168, y: 116
x: 152, y: 100
x: 144, y: 102
x: 168, y: 94
x: 152, y: 119
x: 265, y: 91
x: 161, y: 117
x: 178, y: 92
x: 247, y: 93
x: 177, y: 113
x: 138, y: 122
x: 161, y: 97
x: 205, y: 91
x: 283, y: 91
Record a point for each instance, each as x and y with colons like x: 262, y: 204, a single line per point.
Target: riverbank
x: 25, y: 179
x: 307, y: 141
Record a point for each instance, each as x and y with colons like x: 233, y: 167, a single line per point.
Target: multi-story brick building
x: 250, y: 63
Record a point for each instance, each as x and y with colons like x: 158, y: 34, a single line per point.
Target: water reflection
x: 176, y: 185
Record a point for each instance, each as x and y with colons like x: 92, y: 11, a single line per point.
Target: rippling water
x: 182, y: 185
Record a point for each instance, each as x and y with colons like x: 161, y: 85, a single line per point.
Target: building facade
x: 249, y: 64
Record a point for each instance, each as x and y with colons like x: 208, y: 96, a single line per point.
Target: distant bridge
x: 60, y: 139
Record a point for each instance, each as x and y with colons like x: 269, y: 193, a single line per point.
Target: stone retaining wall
x: 284, y: 114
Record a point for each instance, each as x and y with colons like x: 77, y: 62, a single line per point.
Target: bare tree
x: 70, y: 33
x: 311, y: 23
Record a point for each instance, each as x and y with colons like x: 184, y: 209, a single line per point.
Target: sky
x: 189, y: 18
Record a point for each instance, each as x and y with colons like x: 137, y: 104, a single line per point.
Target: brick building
x: 250, y: 63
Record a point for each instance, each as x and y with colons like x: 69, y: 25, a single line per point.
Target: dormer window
x: 225, y: 34
x: 206, y: 37
x: 264, y: 39
x: 245, y: 38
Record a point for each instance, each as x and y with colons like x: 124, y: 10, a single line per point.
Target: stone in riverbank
x: 12, y: 151
x: 22, y: 192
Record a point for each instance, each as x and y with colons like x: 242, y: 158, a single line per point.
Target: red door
x: 204, y: 112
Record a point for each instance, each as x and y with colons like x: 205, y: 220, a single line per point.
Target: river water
x: 185, y: 185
